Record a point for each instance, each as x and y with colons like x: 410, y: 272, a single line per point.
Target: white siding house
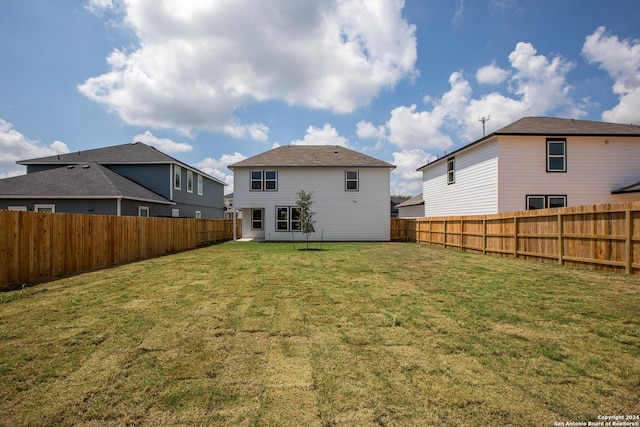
x: 536, y: 162
x: 350, y: 192
x: 411, y: 208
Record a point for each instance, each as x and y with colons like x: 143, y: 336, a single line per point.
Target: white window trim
x: 451, y: 171
x: 200, y: 184
x: 562, y: 141
x: 177, y: 173
x: 263, y: 180
x: 143, y: 208
x: 44, y: 206
x: 347, y: 180
x: 254, y: 221
x: 175, y: 213
x: 545, y: 199
x: 17, y: 208
x: 289, y: 221
x: 198, y: 214
x: 189, y: 181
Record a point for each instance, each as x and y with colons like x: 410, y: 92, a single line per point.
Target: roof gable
x: 89, y: 180
x: 311, y: 156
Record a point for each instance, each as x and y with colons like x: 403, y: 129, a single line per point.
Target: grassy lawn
x: 385, y: 334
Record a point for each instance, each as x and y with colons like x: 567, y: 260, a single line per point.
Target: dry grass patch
x: 356, y: 334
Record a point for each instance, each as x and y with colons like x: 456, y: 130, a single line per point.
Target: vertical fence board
x: 601, y: 237
x: 35, y: 246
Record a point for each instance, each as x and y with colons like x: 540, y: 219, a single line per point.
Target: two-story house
x: 350, y: 191
x: 536, y: 163
x: 130, y: 179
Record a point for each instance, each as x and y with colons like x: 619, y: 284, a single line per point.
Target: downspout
x: 234, y: 225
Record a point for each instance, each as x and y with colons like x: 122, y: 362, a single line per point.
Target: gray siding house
x: 130, y: 179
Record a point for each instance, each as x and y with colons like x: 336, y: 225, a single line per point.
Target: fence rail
x: 37, y: 246
x: 601, y: 237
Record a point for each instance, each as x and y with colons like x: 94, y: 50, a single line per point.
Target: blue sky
x: 212, y: 83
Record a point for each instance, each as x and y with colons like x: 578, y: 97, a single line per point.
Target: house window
x: 198, y: 214
x: 17, y: 208
x: 175, y: 213
x: 451, y: 170
x: 351, y: 181
x: 288, y: 218
x: 189, y: 181
x: 143, y: 211
x: 556, y: 155
x: 546, y: 202
x: 256, y: 219
x: 177, y: 177
x: 264, y: 181
x: 44, y: 208
x: 200, y: 184
x: 270, y: 180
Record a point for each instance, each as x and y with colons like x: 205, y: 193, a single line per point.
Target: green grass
x: 261, y: 334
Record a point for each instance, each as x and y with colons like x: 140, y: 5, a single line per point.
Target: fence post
x: 484, y: 237
x: 515, y: 237
x: 560, y: 240
x: 628, y: 241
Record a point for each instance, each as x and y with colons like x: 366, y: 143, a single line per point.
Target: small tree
x: 304, y: 202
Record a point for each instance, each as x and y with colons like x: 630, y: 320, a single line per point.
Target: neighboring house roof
x: 552, y: 126
x: 633, y: 188
x: 312, y: 156
x: 135, y: 153
x: 86, y: 181
x: 414, y: 201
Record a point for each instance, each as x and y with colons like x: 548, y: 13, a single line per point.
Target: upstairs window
x: 556, y: 155
x: 177, y: 177
x: 189, y: 181
x: 264, y: 180
x: 451, y: 170
x: 351, y: 181
x: 270, y: 180
x: 200, y: 185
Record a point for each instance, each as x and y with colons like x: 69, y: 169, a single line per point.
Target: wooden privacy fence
x: 36, y: 246
x: 601, y: 237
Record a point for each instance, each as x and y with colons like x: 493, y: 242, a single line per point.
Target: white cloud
x: 405, y: 179
x: 410, y: 129
x: 621, y: 60
x: 458, y: 14
x: 15, y: 146
x: 163, y: 144
x: 367, y: 130
x: 326, y: 135
x: 97, y: 7
x: 218, y: 168
x: 491, y: 74
x: 196, y: 63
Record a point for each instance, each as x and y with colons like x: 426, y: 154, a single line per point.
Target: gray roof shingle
x: 554, y: 126
x: 136, y: 153
x: 414, y: 201
x: 89, y: 180
x: 312, y: 156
